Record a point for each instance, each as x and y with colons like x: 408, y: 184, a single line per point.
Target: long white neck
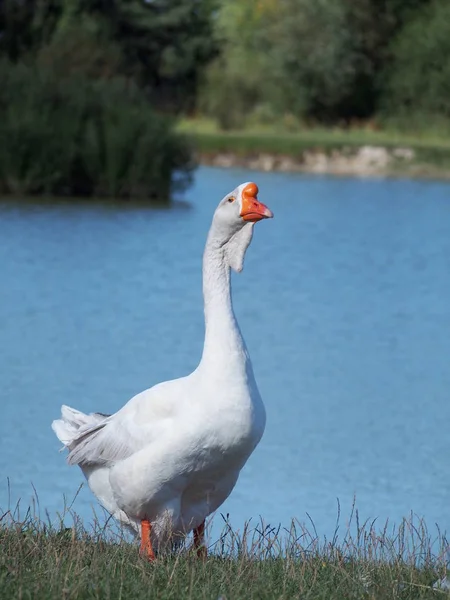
x: 223, y: 340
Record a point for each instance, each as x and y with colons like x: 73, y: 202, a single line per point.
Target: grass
x: 431, y: 147
x: 279, y: 138
x: 41, y: 561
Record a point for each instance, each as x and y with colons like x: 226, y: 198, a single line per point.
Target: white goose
x: 173, y: 453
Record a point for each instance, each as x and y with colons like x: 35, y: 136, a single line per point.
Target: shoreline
x: 364, y: 161
x: 340, y: 152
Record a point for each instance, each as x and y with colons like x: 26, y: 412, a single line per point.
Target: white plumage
x: 173, y: 453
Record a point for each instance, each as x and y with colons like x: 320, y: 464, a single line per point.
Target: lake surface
x: 344, y: 303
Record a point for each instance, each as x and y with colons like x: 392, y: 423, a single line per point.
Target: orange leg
x: 146, y: 543
x: 199, y: 540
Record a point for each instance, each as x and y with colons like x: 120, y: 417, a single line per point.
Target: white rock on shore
x: 362, y: 161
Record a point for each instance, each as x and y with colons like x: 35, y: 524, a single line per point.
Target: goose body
x: 173, y: 453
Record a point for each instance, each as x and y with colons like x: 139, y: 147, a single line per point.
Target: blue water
x: 344, y: 303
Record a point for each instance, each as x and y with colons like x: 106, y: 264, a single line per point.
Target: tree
x: 322, y: 60
x: 240, y: 81
x: 164, y: 44
x: 332, y: 53
x: 419, y: 78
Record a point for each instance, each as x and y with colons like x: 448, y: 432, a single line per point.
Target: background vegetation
x: 72, y: 135
x: 90, y: 88
x: 329, y: 62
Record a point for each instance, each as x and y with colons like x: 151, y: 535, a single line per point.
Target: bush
x: 77, y: 136
x: 419, y: 80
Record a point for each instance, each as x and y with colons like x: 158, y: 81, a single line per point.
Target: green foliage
x: 162, y: 45
x: 419, y: 80
x: 81, y: 46
x: 73, y: 135
x: 237, y: 82
x: 320, y: 49
x: 246, y: 62
x: 302, y: 57
x: 166, y: 44
x: 315, y: 60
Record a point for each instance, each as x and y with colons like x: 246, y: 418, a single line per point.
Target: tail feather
x: 67, y: 429
x: 64, y: 431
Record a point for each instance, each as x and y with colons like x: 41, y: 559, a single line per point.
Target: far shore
x: 357, y: 152
x: 366, y: 161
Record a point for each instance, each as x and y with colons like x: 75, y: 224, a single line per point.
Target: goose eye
x: 231, y: 199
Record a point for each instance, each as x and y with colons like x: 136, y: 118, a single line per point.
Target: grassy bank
x: 38, y: 561
x: 428, y: 151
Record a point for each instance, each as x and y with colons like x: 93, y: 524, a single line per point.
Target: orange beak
x: 252, y: 209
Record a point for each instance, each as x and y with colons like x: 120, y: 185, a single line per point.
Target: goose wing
x: 102, y: 440
x: 104, y: 443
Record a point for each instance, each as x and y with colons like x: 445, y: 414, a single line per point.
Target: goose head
x: 234, y: 219
x: 239, y: 207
